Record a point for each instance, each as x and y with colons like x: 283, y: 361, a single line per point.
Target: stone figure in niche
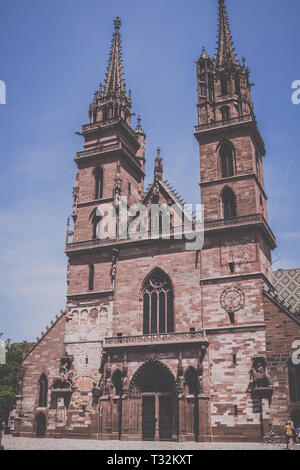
x: 64, y: 380
x: 75, y: 195
x: 118, y: 186
x: 113, y: 270
x: 96, y: 394
x: 200, y: 378
x: 180, y: 373
x: 259, y: 377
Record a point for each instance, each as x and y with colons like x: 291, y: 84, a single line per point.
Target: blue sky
x: 53, y: 56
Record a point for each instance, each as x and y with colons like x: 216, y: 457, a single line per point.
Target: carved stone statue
x: 113, y: 270
x: 118, y: 186
x: 75, y: 195
x: 259, y: 377
x: 96, y: 393
x: 64, y: 379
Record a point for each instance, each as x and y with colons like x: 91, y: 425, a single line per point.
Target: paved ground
x: 24, y: 443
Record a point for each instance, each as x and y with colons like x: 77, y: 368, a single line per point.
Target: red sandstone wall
x: 44, y: 358
x: 282, y: 331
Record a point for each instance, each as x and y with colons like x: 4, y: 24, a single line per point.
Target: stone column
x: 181, y: 418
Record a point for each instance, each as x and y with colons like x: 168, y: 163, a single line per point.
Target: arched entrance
x: 156, y: 385
x: 40, y: 425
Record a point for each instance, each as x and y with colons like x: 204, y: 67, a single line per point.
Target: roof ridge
x: 43, y: 334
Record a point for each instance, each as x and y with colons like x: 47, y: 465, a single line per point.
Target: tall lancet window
x: 158, y: 304
x: 237, y: 83
x: 91, y: 276
x: 226, y: 160
x: 98, y: 175
x: 229, y: 204
x: 95, y: 220
x: 43, y: 390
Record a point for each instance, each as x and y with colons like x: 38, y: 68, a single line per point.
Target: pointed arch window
x: 98, y: 175
x: 225, y: 113
x: 158, y: 304
x: 91, y: 276
x: 229, y: 204
x: 237, y: 83
x: 43, y: 391
x: 224, y: 84
x: 226, y: 157
x: 203, y: 90
x: 95, y: 219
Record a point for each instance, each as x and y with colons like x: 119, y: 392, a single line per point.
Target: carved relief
x: 259, y: 377
x: 64, y: 379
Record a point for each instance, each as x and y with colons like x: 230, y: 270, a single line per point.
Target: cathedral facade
x: 160, y: 341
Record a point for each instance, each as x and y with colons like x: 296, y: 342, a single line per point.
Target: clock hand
x: 236, y: 297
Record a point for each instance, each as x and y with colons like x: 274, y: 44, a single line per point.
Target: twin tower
x: 157, y: 341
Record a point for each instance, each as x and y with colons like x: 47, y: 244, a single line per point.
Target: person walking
x: 288, y: 432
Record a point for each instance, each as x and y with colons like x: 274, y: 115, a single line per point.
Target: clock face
x: 232, y: 299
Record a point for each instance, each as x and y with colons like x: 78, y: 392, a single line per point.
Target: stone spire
x: 203, y: 54
x: 114, y: 83
x: 158, y: 168
x: 110, y: 101
x: 226, y: 51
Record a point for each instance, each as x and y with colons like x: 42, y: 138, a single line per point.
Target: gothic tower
x: 158, y: 339
x: 231, y: 153
x: 111, y: 165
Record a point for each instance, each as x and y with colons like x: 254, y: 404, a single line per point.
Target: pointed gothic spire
x: 225, y: 53
x: 203, y: 54
x: 158, y: 168
x: 114, y: 82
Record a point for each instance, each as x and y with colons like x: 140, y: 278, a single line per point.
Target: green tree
x: 8, y: 377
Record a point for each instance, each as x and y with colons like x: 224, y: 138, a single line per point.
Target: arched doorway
x: 156, y: 385
x: 40, y: 425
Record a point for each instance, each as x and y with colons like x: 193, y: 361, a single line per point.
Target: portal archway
x: 156, y: 385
